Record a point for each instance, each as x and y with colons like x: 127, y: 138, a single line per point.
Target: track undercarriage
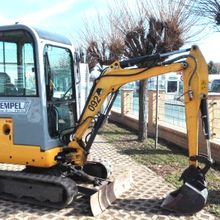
x: 59, y: 186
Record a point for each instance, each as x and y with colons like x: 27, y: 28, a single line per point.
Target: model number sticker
x: 94, y: 103
x: 14, y: 107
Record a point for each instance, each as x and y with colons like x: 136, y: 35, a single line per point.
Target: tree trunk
x: 142, y: 124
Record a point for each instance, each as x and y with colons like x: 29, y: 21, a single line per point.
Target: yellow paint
x: 79, y: 155
x: 199, y: 88
x: 22, y: 154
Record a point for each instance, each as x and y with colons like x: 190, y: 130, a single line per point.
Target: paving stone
x: 141, y: 202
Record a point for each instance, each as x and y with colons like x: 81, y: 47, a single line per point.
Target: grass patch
x: 167, y: 160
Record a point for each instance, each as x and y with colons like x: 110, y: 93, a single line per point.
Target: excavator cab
x: 37, y: 86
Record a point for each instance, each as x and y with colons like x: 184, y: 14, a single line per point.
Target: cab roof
x: 42, y: 34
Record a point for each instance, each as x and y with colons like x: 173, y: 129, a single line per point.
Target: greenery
x: 212, y: 68
x: 167, y: 160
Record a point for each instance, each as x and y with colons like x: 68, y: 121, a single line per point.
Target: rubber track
x: 65, y: 188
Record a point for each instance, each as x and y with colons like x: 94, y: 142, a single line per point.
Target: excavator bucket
x: 108, y: 193
x: 186, y: 200
x: 191, y: 197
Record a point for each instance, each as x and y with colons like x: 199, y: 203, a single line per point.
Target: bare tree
x: 209, y: 9
x: 144, y: 28
x: 102, y: 44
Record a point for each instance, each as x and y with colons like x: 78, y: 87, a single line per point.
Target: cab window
x: 17, y: 64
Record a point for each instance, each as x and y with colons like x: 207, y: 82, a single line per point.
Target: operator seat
x: 6, y: 87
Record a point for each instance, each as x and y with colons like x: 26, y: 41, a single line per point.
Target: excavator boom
x: 195, y: 78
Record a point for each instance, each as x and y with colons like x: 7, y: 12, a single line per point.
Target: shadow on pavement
x: 81, y: 208
x: 214, y: 197
x: 148, y: 206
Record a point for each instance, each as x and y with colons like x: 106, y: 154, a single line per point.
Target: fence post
x: 151, y: 108
x: 126, y: 101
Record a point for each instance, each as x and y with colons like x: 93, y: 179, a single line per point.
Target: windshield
x: 17, y: 66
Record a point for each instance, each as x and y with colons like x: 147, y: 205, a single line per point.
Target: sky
x: 66, y: 17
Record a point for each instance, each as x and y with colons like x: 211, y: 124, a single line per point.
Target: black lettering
x: 96, y: 99
x: 91, y: 108
x: 6, y: 105
x: 93, y: 103
x: 12, y: 105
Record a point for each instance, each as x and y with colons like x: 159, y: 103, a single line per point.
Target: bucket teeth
x: 108, y: 193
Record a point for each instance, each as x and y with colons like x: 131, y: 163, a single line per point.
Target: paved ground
x: 142, y: 201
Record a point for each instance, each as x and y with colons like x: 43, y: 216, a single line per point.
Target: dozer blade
x: 108, y: 193
x: 191, y: 197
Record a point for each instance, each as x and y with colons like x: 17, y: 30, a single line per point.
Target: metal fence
x: 127, y: 102
x: 214, y: 113
x: 170, y: 110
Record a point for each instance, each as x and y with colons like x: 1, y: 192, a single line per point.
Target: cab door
x: 60, y: 89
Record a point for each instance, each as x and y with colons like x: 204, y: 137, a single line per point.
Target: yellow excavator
x: 40, y: 128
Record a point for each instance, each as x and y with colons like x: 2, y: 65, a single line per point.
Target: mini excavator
x: 40, y: 128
